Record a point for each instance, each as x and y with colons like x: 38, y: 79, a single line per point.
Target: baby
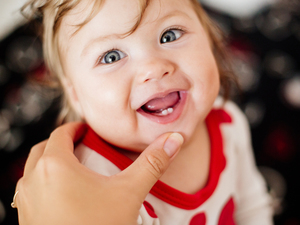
x: 136, y: 69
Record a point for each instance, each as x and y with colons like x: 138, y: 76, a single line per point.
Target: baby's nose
x: 155, y: 69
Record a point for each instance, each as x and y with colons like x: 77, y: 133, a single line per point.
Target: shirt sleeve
x: 253, y: 203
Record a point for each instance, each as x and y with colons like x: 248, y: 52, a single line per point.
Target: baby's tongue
x: 158, y: 104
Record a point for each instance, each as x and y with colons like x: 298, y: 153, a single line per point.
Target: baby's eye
x: 171, y: 35
x: 112, y: 56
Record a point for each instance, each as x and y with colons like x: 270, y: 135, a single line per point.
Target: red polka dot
x: 150, y: 209
x: 198, y: 219
x: 226, y: 217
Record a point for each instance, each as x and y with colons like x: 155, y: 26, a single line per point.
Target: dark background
x: 266, y: 50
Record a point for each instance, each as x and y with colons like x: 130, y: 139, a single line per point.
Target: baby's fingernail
x: 173, y: 143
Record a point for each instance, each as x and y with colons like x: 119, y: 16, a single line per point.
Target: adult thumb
x: 152, y: 163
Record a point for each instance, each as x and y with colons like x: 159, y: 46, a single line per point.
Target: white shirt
x: 234, y: 194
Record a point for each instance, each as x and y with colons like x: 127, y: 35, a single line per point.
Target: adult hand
x: 57, y: 189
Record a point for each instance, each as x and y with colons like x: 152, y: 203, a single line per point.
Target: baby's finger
x: 152, y: 163
x: 35, y: 154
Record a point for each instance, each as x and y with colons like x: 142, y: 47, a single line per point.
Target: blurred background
x: 264, y: 40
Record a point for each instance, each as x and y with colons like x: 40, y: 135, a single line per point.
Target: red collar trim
x: 162, y: 190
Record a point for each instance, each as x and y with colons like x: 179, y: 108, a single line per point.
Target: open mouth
x: 162, y: 106
x: 164, y: 109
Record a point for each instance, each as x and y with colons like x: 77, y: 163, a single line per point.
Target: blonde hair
x: 51, y: 12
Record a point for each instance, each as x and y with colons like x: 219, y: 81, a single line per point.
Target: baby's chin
x: 139, y: 147
x: 136, y: 146
x: 140, y: 142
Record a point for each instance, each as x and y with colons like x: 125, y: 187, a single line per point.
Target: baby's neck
x: 190, y: 169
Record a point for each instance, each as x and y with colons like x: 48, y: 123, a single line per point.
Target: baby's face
x: 161, y: 78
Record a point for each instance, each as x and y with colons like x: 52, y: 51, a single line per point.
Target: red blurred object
x: 40, y: 73
x: 280, y: 144
x: 16, y: 169
x: 292, y: 222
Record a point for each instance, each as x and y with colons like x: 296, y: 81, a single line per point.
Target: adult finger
x: 35, y: 154
x: 152, y: 163
x: 73, y: 131
x: 14, y: 203
x: 62, y: 139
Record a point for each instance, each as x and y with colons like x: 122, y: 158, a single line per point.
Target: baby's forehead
x: 109, y: 11
x: 123, y: 13
x: 76, y: 17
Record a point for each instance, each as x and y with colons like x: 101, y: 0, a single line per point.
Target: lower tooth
x: 170, y: 110
x: 167, y: 111
x: 164, y: 112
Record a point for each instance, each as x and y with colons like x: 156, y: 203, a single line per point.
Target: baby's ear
x: 71, y: 95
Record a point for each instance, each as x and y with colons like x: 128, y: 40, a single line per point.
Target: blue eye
x: 112, y: 56
x: 171, y: 35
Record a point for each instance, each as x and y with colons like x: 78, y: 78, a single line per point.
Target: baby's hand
x: 57, y: 189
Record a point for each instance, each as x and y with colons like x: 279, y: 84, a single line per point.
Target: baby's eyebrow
x: 99, y: 39
x: 174, y: 14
